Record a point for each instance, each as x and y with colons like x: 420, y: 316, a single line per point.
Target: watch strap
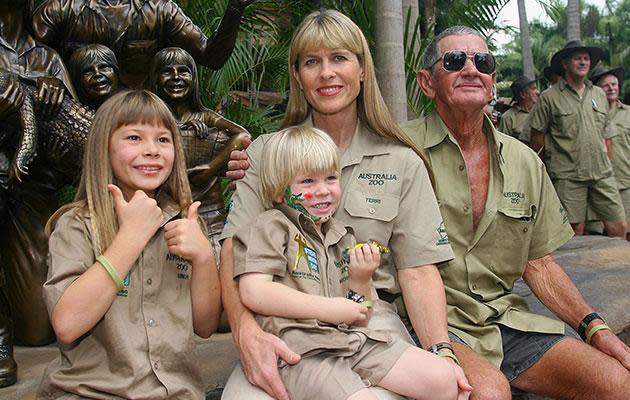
x: 581, y: 329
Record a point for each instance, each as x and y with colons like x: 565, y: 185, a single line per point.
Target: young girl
x: 301, y: 271
x: 132, y: 274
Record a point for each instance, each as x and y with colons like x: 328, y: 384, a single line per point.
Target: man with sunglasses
x: 570, y: 123
x: 503, y: 219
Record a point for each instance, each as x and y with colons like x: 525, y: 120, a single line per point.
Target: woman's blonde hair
x: 293, y: 151
x: 330, y: 29
x: 93, y: 198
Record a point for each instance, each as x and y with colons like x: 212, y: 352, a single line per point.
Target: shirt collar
x: 437, y: 131
x: 332, y: 229
x: 26, y: 44
x: 562, y: 84
x: 95, y: 4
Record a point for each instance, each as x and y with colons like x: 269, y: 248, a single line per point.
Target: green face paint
x: 295, y: 201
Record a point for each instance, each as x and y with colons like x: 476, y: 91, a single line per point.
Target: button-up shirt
x: 142, y: 348
x: 575, y: 128
x: 620, y: 118
x: 514, y: 122
x: 523, y: 220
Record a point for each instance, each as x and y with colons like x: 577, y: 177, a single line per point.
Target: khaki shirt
x: 142, y: 348
x: 386, y: 196
x: 524, y: 220
x: 514, y: 122
x: 620, y: 118
x: 575, y: 128
x: 271, y: 245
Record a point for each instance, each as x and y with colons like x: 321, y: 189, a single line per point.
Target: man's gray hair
x: 432, y: 53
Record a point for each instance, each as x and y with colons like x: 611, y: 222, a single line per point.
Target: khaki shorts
x: 602, y: 196
x: 625, y: 199
x: 339, y: 374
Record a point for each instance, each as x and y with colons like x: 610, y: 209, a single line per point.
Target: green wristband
x: 594, y: 329
x: 448, y: 354
x: 111, y: 271
x: 367, y: 303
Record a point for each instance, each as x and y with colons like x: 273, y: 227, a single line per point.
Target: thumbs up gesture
x: 185, y: 238
x: 140, y: 217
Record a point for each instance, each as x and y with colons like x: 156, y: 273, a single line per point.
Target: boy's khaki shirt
x: 575, y: 128
x: 143, y: 347
x: 386, y: 196
x: 284, y: 243
x: 620, y: 118
x: 523, y: 220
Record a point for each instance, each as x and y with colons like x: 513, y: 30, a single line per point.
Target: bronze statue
x: 135, y: 30
x: 207, y: 136
x: 24, y: 206
x: 95, y: 74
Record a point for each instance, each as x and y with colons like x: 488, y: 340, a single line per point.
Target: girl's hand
x: 340, y: 310
x: 139, y: 218
x: 363, y: 262
x: 185, y: 238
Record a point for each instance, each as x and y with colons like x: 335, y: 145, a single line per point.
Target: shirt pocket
x: 381, y: 206
x: 513, y: 231
x: 567, y: 124
x: 599, y: 119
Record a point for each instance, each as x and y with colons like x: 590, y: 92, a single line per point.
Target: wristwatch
x: 581, y: 330
x: 356, y: 297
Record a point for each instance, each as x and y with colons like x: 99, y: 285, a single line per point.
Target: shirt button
x: 525, y: 229
x: 461, y: 167
x: 149, y: 281
x: 372, y: 210
x: 151, y: 323
x: 474, y: 286
x: 155, y: 365
x: 465, y: 208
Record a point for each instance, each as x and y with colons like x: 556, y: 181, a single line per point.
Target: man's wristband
x: 594, y: 329
x: 356, y: 297
x: 581, y: 329
x: 448, y: 354
x: 111, y: 271
x: 437, y: 347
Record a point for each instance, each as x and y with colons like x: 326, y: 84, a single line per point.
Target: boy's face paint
x: 315, y: 195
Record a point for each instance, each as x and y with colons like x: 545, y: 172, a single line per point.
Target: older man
x: 571, y: 121
x: 504, y: 219
x: 514, y: 122
x: 610, y: 80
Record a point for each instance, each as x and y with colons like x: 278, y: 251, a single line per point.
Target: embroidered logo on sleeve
x: 443, y: 236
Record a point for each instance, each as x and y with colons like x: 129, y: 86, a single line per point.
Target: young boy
x: 303, y: 273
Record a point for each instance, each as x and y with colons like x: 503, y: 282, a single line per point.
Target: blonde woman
x: 386, y: 196
x: 132, y: 275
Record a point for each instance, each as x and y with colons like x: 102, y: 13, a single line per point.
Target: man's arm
x: 554, y: 289
x: 537, y: 140
x: 259, y: 350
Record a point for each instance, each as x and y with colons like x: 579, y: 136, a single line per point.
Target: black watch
x: 581, y: 330
x: 356, y: 297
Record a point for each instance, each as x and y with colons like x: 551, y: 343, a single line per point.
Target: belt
x: 386, y: 296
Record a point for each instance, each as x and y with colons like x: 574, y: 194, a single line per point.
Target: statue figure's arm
x: 211, y: 52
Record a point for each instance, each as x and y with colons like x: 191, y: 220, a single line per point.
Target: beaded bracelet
x: 111, y: 271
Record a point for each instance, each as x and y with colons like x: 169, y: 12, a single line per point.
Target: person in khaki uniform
x: 300, y: 270
x: 387, y: 197
x: 571, y: 121
x: 132, y: 275
x: 504, y: 219
x: 610, y: 80
x: 514, y: 122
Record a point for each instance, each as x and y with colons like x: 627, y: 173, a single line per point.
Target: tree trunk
x: 573, y: 20
x: 390, y: 61
x: 430, y: 9
x: 526, y: 41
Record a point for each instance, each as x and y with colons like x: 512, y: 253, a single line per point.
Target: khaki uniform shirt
x: 386, y: 196
x: 514, y: 122
x: 286, y: 244
x: 523, y: 220
x: 620, y: 118
x: 142, y: 348
x: 575, y: 128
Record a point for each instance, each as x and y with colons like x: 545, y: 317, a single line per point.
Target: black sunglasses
x: 456, y: 59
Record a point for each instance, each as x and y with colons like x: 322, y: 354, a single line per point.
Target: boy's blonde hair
x: 293, y: 151
x: 93, y: 198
